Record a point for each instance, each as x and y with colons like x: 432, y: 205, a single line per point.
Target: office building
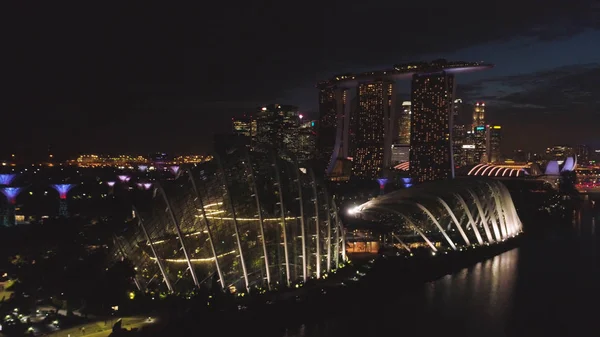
x: 404, y: 123
x: 478, y: 114
x: 493, y: 141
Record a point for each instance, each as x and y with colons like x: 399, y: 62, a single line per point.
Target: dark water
x: 550, y: 286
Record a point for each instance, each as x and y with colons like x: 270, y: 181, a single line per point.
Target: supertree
x: 174, y: 169
x: 143, y: 168
x: 382, y: 182
x: 407, y: 182
x: 144, y: 186
x: 111, y: 186
x: 11, y: 194
x: 124, y: 178
x: 7, y: 179
x: 62, y: 190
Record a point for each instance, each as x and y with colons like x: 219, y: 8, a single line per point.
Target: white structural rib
x: 489, y: 210
x: 302, y: 223
x: 161, y: 267
x: 317, y: 223
x: 470, y: 217
x: 235, y: 222
x: 179, y: 234
x: 494, y: 191
x: 424, y: 209
x: 213, y: 249
x: 456, y: 222
x: 482, y: 217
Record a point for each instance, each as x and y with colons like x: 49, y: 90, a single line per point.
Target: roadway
x: 102, y: 328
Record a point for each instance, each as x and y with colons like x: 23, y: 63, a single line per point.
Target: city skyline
x: 121, y: 82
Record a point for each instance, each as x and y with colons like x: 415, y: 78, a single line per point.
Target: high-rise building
x: 245, y: 126
x: 459, y: 137
x: 480, y: 136
x: 583, y: 154
x: 400, y: 153
x: 559, y: 152
x: 404, y: 123
x: 459, y: 133
x: 276, y: 127
x: 307, y: 140
x: 328, y: 120
x: 373, y: 124
x: 478, y: 114
x: 493, y: 141
x: 469, y: 152
x: 432, y: 97
x: 457, y: 112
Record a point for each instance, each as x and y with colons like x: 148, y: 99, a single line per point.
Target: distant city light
x: 300, y: 116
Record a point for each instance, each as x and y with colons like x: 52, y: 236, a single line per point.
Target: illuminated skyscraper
x: 493, y: 140
x: 307, y: 138
x: 404, y: 124
x: 430, y: 144
x: 373, y: 129
x: 459, y: 134
x: 333, y: 105
x: 245, y: 126
x: 480, y: 138
x: 478, y: 114
x: 583, y: 154
x: 276, y: 126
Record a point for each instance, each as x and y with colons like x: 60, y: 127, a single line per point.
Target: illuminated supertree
x: 111, y: 187
x: 11, y: 194
x: 382, y: 182
x: 143, y: 168
x: 174, y: 169
x: 124, y: 178
x: 7, y: 179
x: 144, y: 186
x: 63, y: 190
x: 407, y: 182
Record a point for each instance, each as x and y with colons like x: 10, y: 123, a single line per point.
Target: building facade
x: 372, y: 126
x: 432, y: 98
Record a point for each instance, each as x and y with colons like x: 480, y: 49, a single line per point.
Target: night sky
x: 151, y: 78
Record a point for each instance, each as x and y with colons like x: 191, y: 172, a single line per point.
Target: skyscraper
x: 430, y: 144
x: 478, y: 114
x: 373, y: 123
x: 327, y: 121
x: 480, y: 138
x: 583, y: 154
x: 404, y: 124
x: 245, y: 126
x: 277, y: 127
x: 459, y: 133
x: 307, y: 138
x: 493, y: 140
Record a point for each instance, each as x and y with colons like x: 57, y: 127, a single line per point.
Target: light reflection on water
x: 483, y: 293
